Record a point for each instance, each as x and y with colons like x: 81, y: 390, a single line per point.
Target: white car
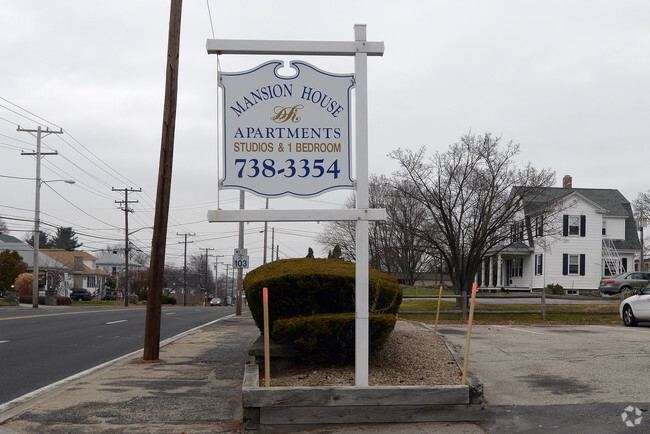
x: 636, y: 308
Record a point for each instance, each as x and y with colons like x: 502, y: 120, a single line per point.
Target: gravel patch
x: 411, y: 356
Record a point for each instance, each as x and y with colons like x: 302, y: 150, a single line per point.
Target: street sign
x: 240, y: 261
x: 286, y: 135
x: 241, y: 252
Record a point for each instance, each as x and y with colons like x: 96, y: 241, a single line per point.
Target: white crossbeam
x: 307, y: 48
x: 293, y: 215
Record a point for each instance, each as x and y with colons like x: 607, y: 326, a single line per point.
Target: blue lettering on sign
x: 322, y: 99
x: 264, y: 93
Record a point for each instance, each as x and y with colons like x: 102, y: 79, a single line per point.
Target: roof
x: 7, y: 242
x: 612, y: 202
x: 66, y: 257
x: 114, y: 260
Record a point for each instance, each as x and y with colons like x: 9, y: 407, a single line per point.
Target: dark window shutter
x: 582, y: 264
x: 565, y: 229
x: 583, y: 225
x: 541, y: 226
x: 624, y: 263
x: 565, y: 263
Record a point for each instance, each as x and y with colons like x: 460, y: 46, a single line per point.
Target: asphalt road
x: 41, y: 346
x: 563, y: 379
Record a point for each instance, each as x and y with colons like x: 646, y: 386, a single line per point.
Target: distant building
x: 593, y: 234
x: 81, y: 270
x: 47, y: 266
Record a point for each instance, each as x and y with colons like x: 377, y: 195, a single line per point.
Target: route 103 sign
x: 286, y: 135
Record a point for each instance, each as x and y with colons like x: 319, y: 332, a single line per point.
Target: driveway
x: 565, y: 378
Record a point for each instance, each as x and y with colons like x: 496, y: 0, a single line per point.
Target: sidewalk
x: 197, y: 388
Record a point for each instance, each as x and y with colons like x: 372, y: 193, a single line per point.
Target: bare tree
x: 394, y: 246
x: 472, y: 193
x: 3, y: 227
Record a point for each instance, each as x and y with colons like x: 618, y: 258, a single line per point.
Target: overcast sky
x: 567, y: 80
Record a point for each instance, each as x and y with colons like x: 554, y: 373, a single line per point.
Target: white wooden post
x: 362, y: 323
x: 360, y: 49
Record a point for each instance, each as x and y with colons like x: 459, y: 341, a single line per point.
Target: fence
x: 541, y: 297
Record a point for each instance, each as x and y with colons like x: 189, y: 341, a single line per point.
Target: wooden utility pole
x: 185, y: 266
x: 159, y: 239
x: 37, y: 201
x: 126, y: 210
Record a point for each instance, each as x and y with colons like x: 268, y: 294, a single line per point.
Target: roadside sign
x: 240, y: 261
x: 241, y: 252
x: 286, y: 135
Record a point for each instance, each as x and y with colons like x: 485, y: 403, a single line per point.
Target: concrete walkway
x: 197, y: 388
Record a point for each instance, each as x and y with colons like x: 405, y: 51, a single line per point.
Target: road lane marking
x: 519, y: 330
x: 25, y: 399
x: 67, y: 313
x: 115, y: 322
x: 170, y: 313
x: 3, y: 342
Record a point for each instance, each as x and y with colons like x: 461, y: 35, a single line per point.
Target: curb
x: 23, y: 403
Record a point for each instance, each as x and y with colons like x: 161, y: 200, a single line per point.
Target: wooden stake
x: 469, y: 334
x: 267, y: 349
x: 161, y: 215
x: 435, y: 329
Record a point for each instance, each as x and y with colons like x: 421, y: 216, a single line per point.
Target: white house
x: 590, y: 234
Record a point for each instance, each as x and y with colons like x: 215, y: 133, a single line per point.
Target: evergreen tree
x: 11, y: 266
x: 65, y: 239
x: 44, y: 240
x: 310, y: 253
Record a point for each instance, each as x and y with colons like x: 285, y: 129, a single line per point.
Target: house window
x: 516, y: 266
x: 574, y: 225
x: 539, y: 226
x: 517, y: 231
x: 573, y: 264
x: 604, y: 227
x: 91, y: 282
x: 538, y: 265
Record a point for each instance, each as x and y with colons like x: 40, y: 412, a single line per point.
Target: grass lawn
x: 587, y: 314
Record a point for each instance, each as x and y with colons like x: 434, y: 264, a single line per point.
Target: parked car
x: 215, y: 302
x: 81, y: 294
x: 624, y: 282
x: 636, y: 308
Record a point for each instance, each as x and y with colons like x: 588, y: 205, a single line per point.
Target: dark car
x: 81, y: 294
x: 624, y: 282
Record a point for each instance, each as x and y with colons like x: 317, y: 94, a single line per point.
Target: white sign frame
x: 360, y: 48
x: 286, y: 135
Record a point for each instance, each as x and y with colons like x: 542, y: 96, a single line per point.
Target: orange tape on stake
x: 265, y: 295
x: 469, y: 334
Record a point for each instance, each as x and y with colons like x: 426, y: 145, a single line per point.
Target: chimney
x: 77, y: 271
x: 567, y: 181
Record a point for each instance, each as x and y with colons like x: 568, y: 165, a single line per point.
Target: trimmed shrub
x: 25, y: 299
x: 165, y: 299
x: 63, y: 301
x: 25, y: 284
x: 309, y: 286
x: 330, y: 337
